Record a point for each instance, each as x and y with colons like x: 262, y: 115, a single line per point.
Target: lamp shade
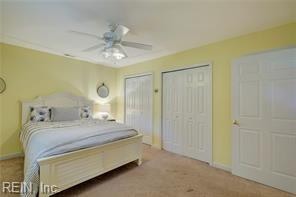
x: 106, y: 108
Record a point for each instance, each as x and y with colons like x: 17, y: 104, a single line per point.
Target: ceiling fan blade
x: 121, y: 50
x: 136, y: 45
x: 86, y: 34
x: 94, y: 47
x: 121, y: 30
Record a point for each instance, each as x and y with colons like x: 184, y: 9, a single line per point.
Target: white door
x: 186, y: 113
x: 264, y: 110
x: 138, y: 105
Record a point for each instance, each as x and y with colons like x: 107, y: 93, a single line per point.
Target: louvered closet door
x: 264, y: 107
x: 186, y: 113
x: 138, y: 105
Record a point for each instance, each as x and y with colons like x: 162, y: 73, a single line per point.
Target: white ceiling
x: 170, y: 26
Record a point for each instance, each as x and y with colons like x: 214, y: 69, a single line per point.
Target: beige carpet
x: 162, y: 174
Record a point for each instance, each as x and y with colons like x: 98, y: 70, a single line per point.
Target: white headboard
x: 63, y: 99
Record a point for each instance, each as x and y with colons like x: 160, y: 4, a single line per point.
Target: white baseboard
x: 11, y: 156
x: 222, y: 166
x: 157, y: 146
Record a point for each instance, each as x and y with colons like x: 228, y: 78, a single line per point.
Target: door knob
x: 235, y: 122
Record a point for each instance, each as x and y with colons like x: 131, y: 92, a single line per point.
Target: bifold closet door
x: 138, y: 105
x: 186, y: 119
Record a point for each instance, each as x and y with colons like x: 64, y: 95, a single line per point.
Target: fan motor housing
x: 110, y: 36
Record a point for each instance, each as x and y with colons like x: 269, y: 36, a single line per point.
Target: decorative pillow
x: 65, y: 114
x: 40, y: 114
x: 85, y: 112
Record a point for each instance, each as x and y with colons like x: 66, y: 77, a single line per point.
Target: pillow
x: 65, y: 114
x: 40, y: 114
x: 85, y: 112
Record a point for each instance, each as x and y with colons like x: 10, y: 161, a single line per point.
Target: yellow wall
x: 220, y: 54
x: 30, y: 73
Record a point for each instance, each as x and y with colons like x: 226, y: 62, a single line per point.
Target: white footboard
x: 69, y: 169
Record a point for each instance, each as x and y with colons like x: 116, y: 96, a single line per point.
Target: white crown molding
x: 136, y: 59
x: 37, y: 47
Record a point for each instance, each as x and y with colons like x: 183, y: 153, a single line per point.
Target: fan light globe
x: 118, y: 55
x: 113, y: 52
x: 106, y: 54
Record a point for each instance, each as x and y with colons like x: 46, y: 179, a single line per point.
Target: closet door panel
x: 189, y: 101
x: 168, y: 101
x: 186, y: 115
x: 138, y: 105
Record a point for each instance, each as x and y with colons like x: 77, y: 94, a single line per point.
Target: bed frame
x: 69, y: 169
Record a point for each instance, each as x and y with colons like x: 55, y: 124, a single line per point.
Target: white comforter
x: 45, y: 139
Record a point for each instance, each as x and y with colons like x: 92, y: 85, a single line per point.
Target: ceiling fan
x: 112, y: 42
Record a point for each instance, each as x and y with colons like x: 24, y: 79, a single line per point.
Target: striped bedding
x: 43, y: 139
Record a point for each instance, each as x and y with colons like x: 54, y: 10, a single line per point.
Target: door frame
x: 152, y: 97
x: 234, y: 79
x: 180, y: 68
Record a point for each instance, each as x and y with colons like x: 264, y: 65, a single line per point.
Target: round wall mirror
x: 103, y: 91
x: 2, y: 85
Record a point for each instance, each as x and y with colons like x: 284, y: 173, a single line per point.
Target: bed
x: 61, y: 155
